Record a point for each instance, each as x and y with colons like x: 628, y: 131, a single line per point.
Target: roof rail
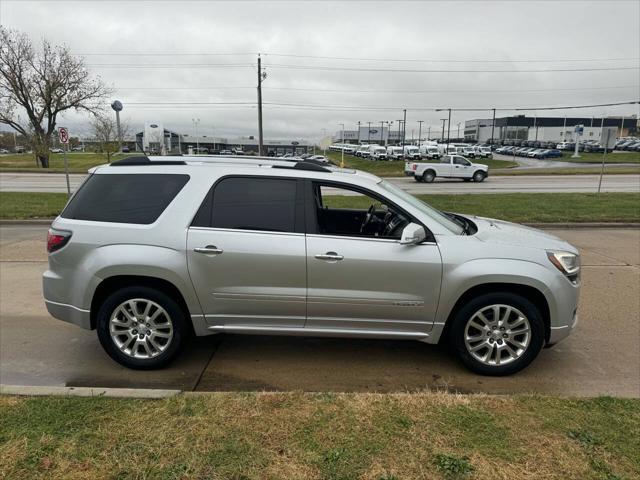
x: 143, y: 160
x: 313, y: 167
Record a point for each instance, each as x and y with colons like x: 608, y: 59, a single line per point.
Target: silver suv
x: 148, y: 252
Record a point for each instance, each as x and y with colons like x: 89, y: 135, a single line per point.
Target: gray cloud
x: 474, y: 31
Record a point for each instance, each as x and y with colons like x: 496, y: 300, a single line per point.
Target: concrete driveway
x: 601, y: 358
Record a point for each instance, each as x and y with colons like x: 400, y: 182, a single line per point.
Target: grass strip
x: 327, y: 436
x: 515, y: 207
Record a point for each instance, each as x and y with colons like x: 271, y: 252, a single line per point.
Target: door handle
x: 208, y: 250
x: 329, y: 256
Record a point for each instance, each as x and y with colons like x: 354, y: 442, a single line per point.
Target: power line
x: 168, y: 65
x: 377, y: 107
x: 363, y: 59
x: 329, y: 90
x: 421, y: 60
x: 408, y: 70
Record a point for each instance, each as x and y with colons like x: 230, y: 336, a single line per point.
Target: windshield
x: 424, y: 207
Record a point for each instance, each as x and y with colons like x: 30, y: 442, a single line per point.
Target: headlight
x: 568, y: 263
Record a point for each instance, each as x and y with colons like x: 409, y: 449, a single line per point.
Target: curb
x: 30, y: 390
x: 35, y: 221
x: 555, y: 225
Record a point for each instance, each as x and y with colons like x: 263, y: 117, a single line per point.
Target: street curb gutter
x: 555, y: 225
x: 29, y: 390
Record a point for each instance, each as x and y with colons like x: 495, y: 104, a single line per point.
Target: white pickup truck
x: 450, y: 166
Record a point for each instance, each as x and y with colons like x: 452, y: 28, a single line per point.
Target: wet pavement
x: 601, y: 358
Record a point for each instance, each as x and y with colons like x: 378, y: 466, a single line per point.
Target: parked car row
x: 530, y: 152
x: 632, y: 145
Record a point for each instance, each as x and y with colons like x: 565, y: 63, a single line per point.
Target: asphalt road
x: 52, y: 182
x: 601, y: 358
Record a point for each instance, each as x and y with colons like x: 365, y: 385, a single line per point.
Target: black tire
x: 176, y: 316
x: 417, y: 178
x: 479, y: 176
x: 459, y: 322
x: 429, y: 176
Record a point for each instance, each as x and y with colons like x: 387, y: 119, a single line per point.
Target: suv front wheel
x: 497, y: 333
x: 141, y: 328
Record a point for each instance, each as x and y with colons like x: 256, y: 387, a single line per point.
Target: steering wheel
x: 367, y: 219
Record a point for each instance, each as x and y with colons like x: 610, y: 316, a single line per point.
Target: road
x: 52, y: 182
x: 600, y: 358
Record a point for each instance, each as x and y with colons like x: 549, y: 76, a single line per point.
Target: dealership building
x: 381, y: 135
x: 553, y: 129
x: 155, y: 138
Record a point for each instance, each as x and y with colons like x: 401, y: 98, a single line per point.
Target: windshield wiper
x: 460, y: 220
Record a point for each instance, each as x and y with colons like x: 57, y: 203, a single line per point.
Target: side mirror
x: 412, y: 234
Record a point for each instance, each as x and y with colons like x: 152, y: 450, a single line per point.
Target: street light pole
x: 342, y: 148
x: 196, y: 121
x: 404, y: 126
x: 419, y: 132
x: 459, y: 130
x: 493, y: 124
x: 381, y: 131
x: 358, y: 132
x: 442, y: 137
x: 369, y: 133
x: 448, y: 130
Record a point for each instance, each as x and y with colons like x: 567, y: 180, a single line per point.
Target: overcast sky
x: 393, y: 35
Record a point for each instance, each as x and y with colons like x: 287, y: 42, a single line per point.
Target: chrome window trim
x: 239, y: 230
x: 368, y: 239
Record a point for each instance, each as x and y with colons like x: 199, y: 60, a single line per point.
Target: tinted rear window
x: 249, y: 203
x: 124, y: 198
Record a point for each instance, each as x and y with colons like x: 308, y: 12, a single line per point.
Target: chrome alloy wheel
x: 141, y: 328
x: 497, y: 334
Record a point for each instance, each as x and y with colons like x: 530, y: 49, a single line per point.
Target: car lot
x: 600, y: 358
x: 33, y: 182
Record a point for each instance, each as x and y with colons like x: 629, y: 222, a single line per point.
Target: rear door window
x: 253, y: 203
x: 124, y: 198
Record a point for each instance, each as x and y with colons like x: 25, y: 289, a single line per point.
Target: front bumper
x: 557, y: 334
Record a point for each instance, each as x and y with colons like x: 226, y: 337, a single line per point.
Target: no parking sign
x: 63, y: 135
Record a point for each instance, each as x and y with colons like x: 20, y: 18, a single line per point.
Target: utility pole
x: 404, y: 126
x: 420, y: 132
x: 399, y: 127
x: 369, y: 133
x: 621, y: 127
x: 358, y: 132
x: 493, y: 124
x: 448, y: 130
x: 381, y: 131
x: 459, y: 130
x: 429, y: 133
x: 261, y: 78
x: 442, y: 137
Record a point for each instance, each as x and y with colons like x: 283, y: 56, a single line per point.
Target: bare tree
x: 35, y: 87
x: 105, y: 132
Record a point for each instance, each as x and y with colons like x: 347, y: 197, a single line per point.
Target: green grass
x: 615, y: 157
x: 315, y: 436
x: 78, y: 162
x: 19, y: 205
x: 528, y: 207
x: 515, y: 207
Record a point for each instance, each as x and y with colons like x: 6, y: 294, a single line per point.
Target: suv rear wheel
x: 140, y: 327
x: 497, y: 333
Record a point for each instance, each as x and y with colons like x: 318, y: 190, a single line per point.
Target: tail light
x: 414, y: 167
x: 56, y: 239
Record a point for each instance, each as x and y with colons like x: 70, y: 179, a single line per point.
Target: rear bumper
x: 69, y: 313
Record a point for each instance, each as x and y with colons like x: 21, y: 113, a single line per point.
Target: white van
x: 430, y: 151
x: 411, y: 152
x: 395, y: 153
x: 362, y: 151
x: 377, y: 152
